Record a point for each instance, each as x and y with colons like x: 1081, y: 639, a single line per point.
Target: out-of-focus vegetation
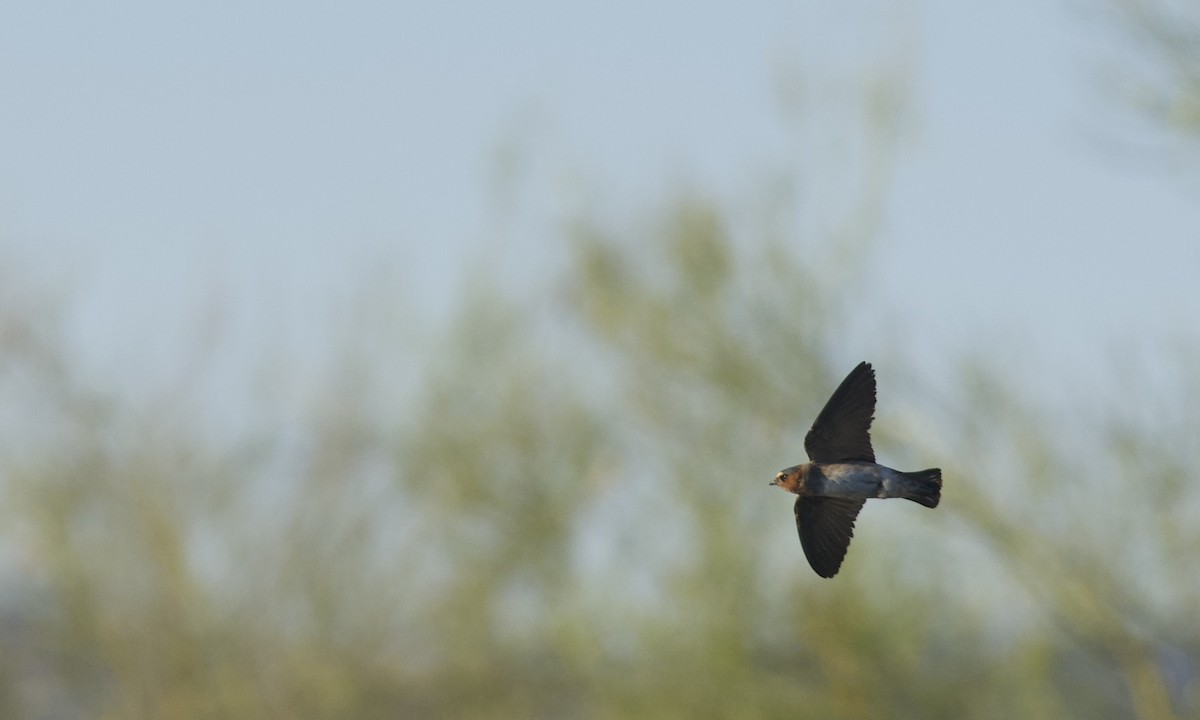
x: 568, y: 515
x: 1158, y: 74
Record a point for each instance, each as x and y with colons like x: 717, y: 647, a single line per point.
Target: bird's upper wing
x: 826, y: 525
x: 843, y: 429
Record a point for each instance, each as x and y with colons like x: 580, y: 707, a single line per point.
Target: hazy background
x: 430, y: 360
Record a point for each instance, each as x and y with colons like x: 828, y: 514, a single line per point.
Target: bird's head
x: 790, y: 479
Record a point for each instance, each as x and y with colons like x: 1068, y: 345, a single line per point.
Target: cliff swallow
x: 843, y: 474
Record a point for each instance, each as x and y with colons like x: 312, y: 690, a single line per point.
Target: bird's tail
x: 923, y: 486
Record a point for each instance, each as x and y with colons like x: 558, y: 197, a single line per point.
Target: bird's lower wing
x: 826, y: 525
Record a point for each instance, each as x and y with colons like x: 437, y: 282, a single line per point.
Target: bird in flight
x: 843, y: 474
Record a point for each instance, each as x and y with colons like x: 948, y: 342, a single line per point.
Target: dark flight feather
x: 843, y: 429
x: 826, y: 525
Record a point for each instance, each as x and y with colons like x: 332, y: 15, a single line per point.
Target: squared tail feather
x: 924, y: 486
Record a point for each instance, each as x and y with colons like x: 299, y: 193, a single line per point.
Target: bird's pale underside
x: 842, y: 474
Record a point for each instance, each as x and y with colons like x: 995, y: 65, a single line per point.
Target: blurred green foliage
x: 569, y: 517
x: 1156, y: 72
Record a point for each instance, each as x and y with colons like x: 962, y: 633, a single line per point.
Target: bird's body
x: 859, y: 480
x: 843, y: 474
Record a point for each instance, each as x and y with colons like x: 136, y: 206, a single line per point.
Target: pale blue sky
x: 154, y: 155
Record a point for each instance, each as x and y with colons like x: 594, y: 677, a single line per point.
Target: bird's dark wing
x: 843, y: 429
x: 826, y: 525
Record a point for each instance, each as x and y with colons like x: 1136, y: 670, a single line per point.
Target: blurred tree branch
x: 1158, y: 77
